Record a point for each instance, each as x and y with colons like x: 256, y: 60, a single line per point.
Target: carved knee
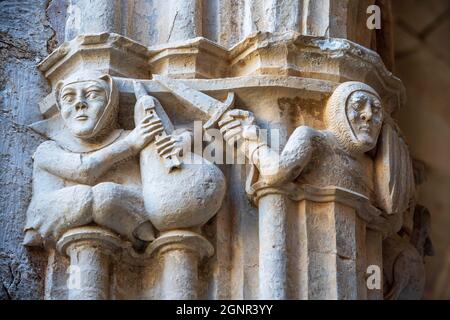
x: 62, y: 210
x: 118, y: 207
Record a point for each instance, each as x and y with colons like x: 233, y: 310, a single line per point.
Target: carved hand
x: 237, y: 124
x: 144, y: 133
x: 167, y: 146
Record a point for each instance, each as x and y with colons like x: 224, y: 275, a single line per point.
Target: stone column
x: 272, y: 247
x: 90, y: 250
x: 90, y: 17
x: 330, y: 231
x: 185, y: 19
x: 180, y: 252
x: 332, y: 237
x: 374, y: 257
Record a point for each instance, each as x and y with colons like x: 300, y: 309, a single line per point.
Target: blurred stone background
x: 422, y: 62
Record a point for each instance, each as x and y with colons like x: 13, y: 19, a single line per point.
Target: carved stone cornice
x: 217, y: 88
x: 310, y: 58
x: 325, y: 58
x: 109, y: 52
x: 197, y: 58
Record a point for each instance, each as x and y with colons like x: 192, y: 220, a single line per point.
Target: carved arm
x: 274, y: 168
x: 78, y: 167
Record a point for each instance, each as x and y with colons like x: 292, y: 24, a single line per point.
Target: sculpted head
x: 88, y: 104
x: 355, y: 116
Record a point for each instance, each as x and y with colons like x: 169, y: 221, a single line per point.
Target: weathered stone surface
x: 24, y: 34
x: 120, y: 198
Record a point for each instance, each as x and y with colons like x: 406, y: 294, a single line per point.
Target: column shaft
x: 272, y: 247
x: 374, y: 256
x: 89, y: 272
x: 180, y: 274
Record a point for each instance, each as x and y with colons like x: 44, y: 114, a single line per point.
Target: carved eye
x: 376, y: 107
x: 68, y: 97
x: 356, y: 105
x: 92, y: 94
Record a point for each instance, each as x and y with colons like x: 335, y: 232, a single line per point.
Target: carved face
x: 354, y: 115
x: 365, y: 116
x: 82, y: 104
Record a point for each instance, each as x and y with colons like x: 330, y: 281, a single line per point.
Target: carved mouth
x: 364, y: 129
x: 81, y: 117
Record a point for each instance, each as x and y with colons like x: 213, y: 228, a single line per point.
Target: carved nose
x: 366, y: 115
x: 80, y: 105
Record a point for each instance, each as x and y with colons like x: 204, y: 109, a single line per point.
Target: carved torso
x: 332, y: 166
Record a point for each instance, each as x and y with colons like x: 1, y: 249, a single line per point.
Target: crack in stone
x: 5, y: 289
x: 52, y: 43
x: 173, y: 25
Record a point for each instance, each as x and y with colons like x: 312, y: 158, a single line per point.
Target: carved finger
x: 167, y: 150
x: 151, y: 133
x: 230, y: 126
x: 175, y: 152
x: 153, y: 127
x: 147, y: 118
x: 232, y: 135
x: 164, y: 140
x: 150, y: 122
x: 224, y: 120
x: 237, y: 113
x: 163, y: 147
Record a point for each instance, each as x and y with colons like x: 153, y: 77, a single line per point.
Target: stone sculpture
x: 92, y: 191
x: 321, y: 208
x: 87, y: 172
x: 337, y: 156
x: 185, y: 195
x: 404, y: 257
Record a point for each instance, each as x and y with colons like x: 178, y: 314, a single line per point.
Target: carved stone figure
x: 336, y: 156
x: 88, y: 173
x: 348, y: 155
x: 132, y: 210
x: 404, y: 257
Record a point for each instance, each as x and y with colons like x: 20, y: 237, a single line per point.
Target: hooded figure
x: 87, y: 172
x: 62, y: 127
x: 339, y: 155
x: 354, y: 115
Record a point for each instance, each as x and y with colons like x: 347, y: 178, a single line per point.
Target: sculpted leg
x: 121, y: 209
x: 52, y: 214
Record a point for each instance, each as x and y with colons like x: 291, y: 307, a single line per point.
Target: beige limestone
x: 311, y: 209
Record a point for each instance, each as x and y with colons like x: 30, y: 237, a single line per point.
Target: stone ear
x: 57, y: 92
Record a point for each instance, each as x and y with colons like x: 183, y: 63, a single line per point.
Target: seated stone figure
x: 88, y: 172
x: 337, y: 156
